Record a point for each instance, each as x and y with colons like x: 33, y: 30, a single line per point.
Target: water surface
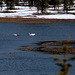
x: 16, y: 62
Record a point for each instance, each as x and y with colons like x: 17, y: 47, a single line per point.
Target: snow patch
x: 27, y: 12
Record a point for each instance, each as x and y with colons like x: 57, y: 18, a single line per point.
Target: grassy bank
x: 34, y: 20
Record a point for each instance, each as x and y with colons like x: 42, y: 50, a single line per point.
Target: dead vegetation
x: 18, y: 19
x: 51, y: 47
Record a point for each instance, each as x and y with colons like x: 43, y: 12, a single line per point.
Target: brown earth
x: 50, y: 50
x: 52, y: 47
x: 56, y: 43
x: 33, y: 20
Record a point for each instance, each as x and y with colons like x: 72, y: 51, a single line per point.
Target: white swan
x: 16, y: 34
x: 31, y: 34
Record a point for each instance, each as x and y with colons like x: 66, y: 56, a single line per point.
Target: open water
x: 16, y: 62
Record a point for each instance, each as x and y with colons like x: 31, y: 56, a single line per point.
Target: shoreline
x: 33, y: 20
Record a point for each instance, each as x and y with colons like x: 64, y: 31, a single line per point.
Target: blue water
x: 16, y: 62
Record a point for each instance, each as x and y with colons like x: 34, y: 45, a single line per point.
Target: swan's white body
x: 31, y: 34
x: 15, y: 34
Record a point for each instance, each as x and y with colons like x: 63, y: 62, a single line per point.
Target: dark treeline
x: 42, y: 5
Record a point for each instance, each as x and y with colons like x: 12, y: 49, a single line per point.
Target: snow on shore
x: 58, y: 16
x: 27, y: 12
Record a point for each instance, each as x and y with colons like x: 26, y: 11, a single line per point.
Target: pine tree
x: 10, y: 4
x: 55, y: 3
x: 67, y: 5
x: 1, y: 4
x: 38, y: 5
x: 42, y: 5
x: 71, y: 3
x: 17, y: 2
x: 31, y: 2
x: 63, y: 63
x: 58, y: 2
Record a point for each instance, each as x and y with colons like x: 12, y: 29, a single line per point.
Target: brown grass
x: 34, y: 20
x: 46, y: 46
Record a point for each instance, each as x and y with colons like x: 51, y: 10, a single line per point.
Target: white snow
x: 58, y: 16
x: 27, y: 12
